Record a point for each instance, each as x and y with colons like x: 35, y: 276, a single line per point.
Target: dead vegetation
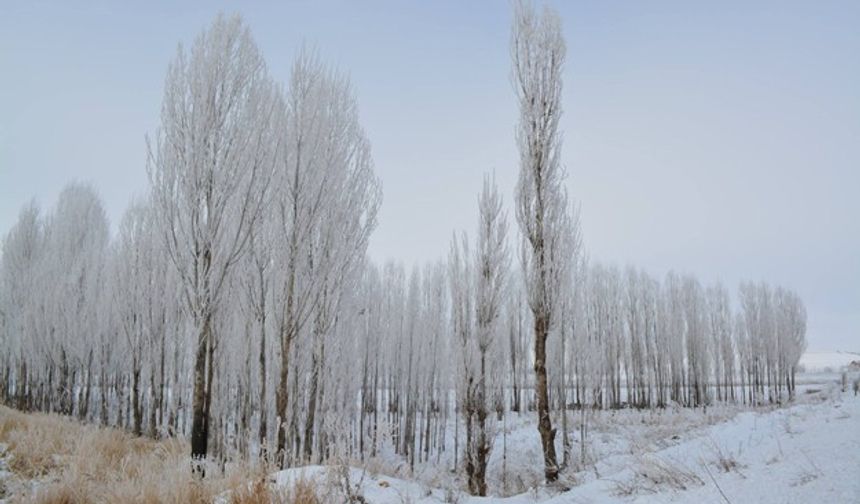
x: 54, y: 460
x: 652, y: 474
x: 725, y: 459
x: 262, y: 491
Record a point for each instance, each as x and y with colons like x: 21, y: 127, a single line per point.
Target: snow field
x: 807, y: 452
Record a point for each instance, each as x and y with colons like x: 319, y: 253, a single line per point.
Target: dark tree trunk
x: 210, y: 380
x: 547, y: 433
x: 103, y: 397
x: 137, y: 411
x: 120, y: 400
x: 153, y: 406
x: 200, y: 421
x: 85, y: 405
x: 20, y: 387
x: 282, y: 395
x: 482, y: 449
x: 263, y: 416
x: 159, y: 400
x: 312, y: 399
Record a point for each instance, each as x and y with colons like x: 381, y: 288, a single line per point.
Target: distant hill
x: 815, y: 361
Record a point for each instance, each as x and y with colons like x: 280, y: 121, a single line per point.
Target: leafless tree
x: 538, y: 52
x: 209, y: 167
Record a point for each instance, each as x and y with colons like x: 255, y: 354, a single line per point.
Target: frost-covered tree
x: 793, y: 332
x: 141, y: 295
x: 209, y: 167
x: 130, y: 270
x: 326, y: 197
x: 479, y: 285
x: 22, y: 250
x: 462, y: 284
x: 538, y: 52
x: 256, y: 282
x: 77, y: 238
x: 720, y: 327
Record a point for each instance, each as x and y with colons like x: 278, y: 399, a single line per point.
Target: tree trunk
x: 263, y: 426
x: 199, y: 421
x: 210, y: 380
x: 312, y: 399
x: 153, y: 407
x: 20, y: 386
x: 159, y: 403
x: 103, y: 397
x: 547, y: 433
x: 85, y: 406
x: 482, y: 450
x: 137, y: 411
x: 282, y: 395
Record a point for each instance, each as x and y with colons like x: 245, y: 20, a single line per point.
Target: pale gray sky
x: 721, y: 140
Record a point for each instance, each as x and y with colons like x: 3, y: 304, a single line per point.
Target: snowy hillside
x: 818, y: 361
x: 803, y: 453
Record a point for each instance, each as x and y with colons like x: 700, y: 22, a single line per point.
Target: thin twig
x: 716, y: 484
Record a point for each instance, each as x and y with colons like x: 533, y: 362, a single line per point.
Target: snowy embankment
x: 827, y: 361
x: 808, y: 452
x: 804, y: 453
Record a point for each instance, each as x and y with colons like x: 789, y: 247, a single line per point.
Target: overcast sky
x: 721, y: 140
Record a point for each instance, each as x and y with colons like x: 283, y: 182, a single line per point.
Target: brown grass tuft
x: 37, y: 447
x: 302, y: 491
x: 254, y: 493
x: 305, y: 492
x: 653, y: 473
x: 55, y: 460
x: 58, y: 494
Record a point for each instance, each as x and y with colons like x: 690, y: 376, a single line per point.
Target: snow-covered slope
x: 818, y: 361
x: 805, y: 453
x: 809, y: 452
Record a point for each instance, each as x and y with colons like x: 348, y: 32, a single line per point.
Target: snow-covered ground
x: 807, y: 452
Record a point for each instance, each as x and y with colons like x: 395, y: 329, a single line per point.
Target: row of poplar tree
x: 236, y: 305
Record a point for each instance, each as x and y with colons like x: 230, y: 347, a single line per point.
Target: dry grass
x: 304, y: 492
x: 257, y: 491
x: 36, y: 443
x: 653, y: 474
x: 58, y: 494
x: 80, y: 464
x: 725, y: 459
x: 260, y: 491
